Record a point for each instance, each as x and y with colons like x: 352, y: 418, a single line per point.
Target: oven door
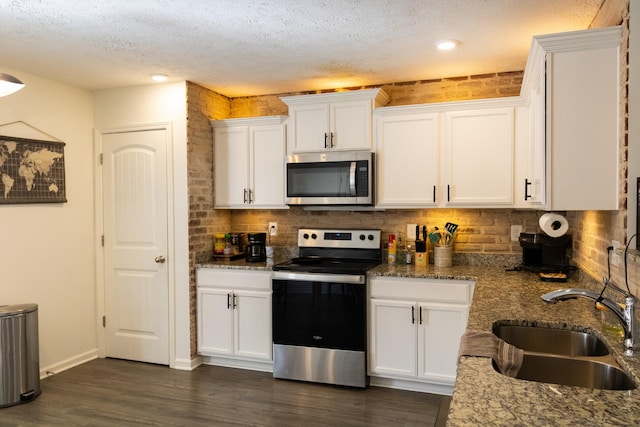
x: 319, y: 310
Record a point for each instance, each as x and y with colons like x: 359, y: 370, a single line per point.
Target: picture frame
x: 31, y: 171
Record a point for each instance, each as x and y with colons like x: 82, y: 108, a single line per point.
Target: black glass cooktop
x: 326, y: 265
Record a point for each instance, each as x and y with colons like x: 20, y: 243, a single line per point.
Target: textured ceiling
x: 239, y: 47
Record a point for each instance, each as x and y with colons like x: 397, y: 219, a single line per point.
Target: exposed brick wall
x: 405, y: 93
x: 202, y: 106
x: 481, y: 230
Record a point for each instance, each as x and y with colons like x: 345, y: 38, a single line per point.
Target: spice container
x: 408, y: 256
x: 228, y: 249
x: 391, y: 249
x: 219, y: 244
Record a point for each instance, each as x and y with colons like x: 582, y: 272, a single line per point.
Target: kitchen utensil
x: 441, y: 238
x: 434, y: 238
x: 424, y: 233
x: 451, y: 227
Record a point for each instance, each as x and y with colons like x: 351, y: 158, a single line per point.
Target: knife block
x: 422, y: 257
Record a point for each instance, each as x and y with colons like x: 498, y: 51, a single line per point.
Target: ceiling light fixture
x: 159, y: 77
x: 447, y: 44
x: 9, y: 84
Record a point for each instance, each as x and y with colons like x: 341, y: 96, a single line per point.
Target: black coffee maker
x: 256, y: 249
x: 541, y: 253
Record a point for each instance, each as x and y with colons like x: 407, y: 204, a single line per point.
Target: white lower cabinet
x: 415, y: 326
x: 234, y: 317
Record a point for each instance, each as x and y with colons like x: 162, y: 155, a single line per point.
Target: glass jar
x: 228, y: 249
x: 218, y: 244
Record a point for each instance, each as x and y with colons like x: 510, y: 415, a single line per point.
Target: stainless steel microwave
x: 330, y: 178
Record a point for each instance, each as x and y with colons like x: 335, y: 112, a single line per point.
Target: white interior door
x: 135, y: 245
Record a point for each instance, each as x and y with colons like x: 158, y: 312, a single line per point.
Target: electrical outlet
x: 615, y: 256
x: 273, y: 229
x: 411, y: 231
x: 515, y: 232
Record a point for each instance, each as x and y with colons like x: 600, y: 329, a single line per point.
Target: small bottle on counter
x: 218, y: 244
x: 409, y: 256
x: 391, y: 249
x: 228, y: 249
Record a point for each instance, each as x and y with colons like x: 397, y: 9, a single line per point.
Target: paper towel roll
x: 553, y: 225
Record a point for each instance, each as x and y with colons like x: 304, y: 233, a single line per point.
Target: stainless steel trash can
x: 19, y: 354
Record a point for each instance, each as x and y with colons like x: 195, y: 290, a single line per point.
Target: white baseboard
x: 446, y: 390
x: 69, y: 363
x: 237, y: 363
x: 186, y: 364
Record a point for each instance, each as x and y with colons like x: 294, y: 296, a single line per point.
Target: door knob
x: 160, y: 259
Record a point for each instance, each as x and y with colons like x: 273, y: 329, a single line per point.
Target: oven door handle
x: 319, y: 277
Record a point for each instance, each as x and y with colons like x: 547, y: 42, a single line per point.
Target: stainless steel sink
x: 554, y: 341
x: 571, y: 371
x: 565, y: 357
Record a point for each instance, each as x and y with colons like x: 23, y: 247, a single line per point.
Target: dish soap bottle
x: 391, y: 249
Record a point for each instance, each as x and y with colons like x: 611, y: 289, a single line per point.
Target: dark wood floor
x: 109, y: 392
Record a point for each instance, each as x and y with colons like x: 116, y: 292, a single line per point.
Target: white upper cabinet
x: 249, y: 156
x: 332, y: 121
x: 407, y: 157
x: 477, y: 157
x: 579, y: 75
x: 446, y: 154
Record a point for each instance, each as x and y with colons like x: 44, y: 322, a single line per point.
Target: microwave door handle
x: 352, y: 178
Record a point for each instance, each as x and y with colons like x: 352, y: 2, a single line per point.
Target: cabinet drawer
x: 437, y: 290
x: 236, y: 279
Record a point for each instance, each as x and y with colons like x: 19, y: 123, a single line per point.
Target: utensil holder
x: 443, y: 256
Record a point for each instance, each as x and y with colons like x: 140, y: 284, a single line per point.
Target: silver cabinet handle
x: 160, y: 259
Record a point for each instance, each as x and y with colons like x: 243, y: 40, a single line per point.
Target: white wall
x: 139, y: 107
x: 47, y: 250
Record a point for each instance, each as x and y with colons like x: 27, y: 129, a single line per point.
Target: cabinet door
x: 309, y: 127
x: 252, y: 317
x: 215, y: 322
x: 583, y: 129
x: 350, y: 125
x: 478, y: 157
x: 407, y: 160
x: 267, y: 166
x: 392, y: 338
x: 535, y: 187
x: 231, y: 163
x: 441, y: 327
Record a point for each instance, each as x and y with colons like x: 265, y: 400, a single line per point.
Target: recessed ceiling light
x: 159, y: 77
x: 447, y: 44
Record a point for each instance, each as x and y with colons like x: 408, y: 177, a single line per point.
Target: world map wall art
x: 31, y: 171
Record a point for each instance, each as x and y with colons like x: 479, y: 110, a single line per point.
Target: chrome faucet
x: 626, y: 316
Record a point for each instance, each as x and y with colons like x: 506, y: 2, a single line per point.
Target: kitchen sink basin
x: 553, y: 341
x: 579, y: 372
x: 565, y: 357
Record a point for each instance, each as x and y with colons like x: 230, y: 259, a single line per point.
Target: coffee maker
x: 541, y: 253
x: 256, y: 249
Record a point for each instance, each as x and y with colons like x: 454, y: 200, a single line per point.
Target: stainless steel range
x: 319, y: 307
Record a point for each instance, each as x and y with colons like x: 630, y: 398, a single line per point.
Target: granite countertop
x: 483, y: 396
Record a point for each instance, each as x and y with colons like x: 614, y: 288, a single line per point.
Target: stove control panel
x: 339, y: 238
